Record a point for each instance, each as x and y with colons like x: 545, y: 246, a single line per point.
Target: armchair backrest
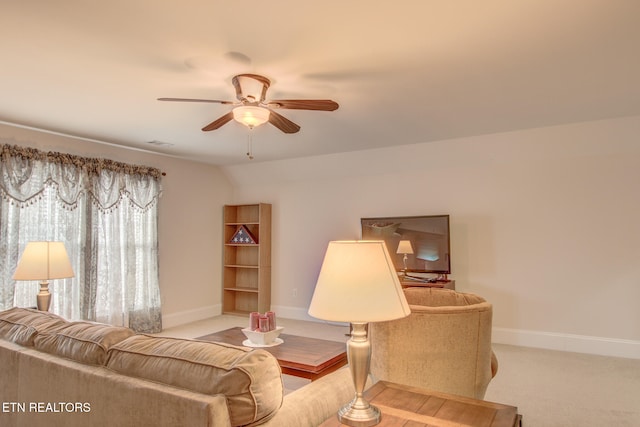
x: 443, y: 345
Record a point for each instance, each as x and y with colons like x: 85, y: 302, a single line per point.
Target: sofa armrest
x: 312, y: 404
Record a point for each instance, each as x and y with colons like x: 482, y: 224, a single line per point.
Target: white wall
x: 190, y: 221
x: 545, y: 224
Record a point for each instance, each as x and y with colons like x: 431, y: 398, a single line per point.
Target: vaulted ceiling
x: 403, y: 72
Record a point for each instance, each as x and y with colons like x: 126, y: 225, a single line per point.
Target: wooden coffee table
x: 410, y: 406
x: 304, y: 357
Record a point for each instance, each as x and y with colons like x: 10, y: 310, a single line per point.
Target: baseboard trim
x: 520, y: 337
x: 188, y: 316
x: 568, y: 342
x: 295, y: 313
x: 525, y: 338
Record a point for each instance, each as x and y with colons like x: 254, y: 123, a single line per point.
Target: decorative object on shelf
x: 404, y: 248
x: 43, y: 261
x: 242, y: 236
x: 358, y: 283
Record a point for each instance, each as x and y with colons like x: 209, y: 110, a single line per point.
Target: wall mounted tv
x: 429, y: 237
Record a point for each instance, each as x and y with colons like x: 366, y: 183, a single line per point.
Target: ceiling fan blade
x: 215, y: 101
x: 219, y: 122
x: 282, y: 123
x: 304, y: 104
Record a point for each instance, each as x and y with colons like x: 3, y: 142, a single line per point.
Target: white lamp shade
x: 251, y: 116
x: 358, y: 283
x: 43, y: 261
x: 404, y: 247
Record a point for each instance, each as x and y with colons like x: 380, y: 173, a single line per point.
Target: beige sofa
x: 59, y: 373
x: 443, y: 345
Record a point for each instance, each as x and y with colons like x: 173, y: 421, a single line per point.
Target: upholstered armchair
x: 443, y: 345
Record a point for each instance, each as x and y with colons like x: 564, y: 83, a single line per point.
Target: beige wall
x: 190, y: 219
x: 545, y: 224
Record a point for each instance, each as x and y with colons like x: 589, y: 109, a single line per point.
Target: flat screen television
x: 428, y: 236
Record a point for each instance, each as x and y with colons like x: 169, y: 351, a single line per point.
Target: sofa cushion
x: 22, y: 325
x: 250, y: 379
x: 83, y: 342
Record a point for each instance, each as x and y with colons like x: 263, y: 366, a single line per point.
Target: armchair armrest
x: 494, y: 364
x: 312, y: 404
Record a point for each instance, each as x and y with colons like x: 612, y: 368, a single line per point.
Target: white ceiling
x: 402, y: 71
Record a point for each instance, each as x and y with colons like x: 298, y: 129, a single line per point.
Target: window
x: 106, y: 214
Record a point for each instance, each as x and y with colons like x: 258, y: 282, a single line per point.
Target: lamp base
x: 359, y: 412
x: 43, y: 298
x: 354, y: 416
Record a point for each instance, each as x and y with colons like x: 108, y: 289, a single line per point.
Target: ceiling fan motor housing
x: 251, y: 87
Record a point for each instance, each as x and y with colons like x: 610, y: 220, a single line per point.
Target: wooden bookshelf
x: 247, y: 266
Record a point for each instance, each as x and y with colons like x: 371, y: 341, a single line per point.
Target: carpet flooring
x: 550, y: 388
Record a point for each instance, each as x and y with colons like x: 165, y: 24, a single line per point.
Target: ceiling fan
x: 253, y: 108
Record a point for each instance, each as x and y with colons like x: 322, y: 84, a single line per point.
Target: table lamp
x: 358, y: 284
x: 43, y: 261
x: 404, y: 247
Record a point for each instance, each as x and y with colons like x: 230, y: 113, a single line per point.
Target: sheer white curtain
x: 106, y: 214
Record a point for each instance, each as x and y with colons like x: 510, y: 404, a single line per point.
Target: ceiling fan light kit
x: 251, y: 115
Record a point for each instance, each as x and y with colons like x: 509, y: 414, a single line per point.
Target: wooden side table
x: 403, y: 406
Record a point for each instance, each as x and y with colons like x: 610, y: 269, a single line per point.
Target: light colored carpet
x: 550, y: 388
x: 561, y: 389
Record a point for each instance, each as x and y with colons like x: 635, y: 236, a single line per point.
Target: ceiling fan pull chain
x: 250, y: 144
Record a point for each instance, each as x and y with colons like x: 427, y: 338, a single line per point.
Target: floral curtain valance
x: 27, y: 171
